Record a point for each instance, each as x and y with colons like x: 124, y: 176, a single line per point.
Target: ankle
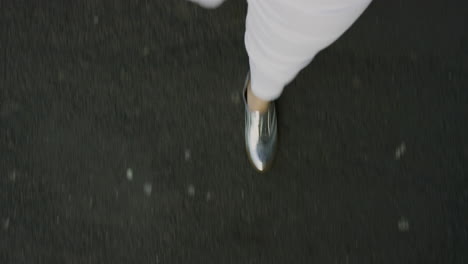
x: 254, y: 103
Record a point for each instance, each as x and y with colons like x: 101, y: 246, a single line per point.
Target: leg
x: 255, y: 103
x: 282, y: 37
x: 208, y: 3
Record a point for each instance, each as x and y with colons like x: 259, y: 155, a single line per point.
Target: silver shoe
x: 260, y: 134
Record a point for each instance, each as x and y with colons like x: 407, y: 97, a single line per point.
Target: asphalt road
x: 121, y: 138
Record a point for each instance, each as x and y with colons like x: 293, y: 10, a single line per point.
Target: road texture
x: 121, y: 138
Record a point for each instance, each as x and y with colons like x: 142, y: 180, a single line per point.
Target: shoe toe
x: 261, y: 154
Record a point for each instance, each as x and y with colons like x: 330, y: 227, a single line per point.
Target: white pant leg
x: 283, y: 36
x: 208, y: 3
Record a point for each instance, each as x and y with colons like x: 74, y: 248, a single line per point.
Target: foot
x: 260, y: 131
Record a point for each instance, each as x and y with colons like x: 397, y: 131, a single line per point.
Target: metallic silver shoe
x: 260, y: 134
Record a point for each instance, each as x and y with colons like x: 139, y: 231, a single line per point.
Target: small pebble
x: 147, y: 188
x: 129, y: 174
x: 187, y: 154
x: 95, y: 20
x: 403, y: 225
x: 146, y: 51
x: 123, y: 74
x: 12, y: 176
x: 208, y: 196
x: 6, y: 223
x: 61, y: 76
x: 191, y: 190
x: 400, y: 151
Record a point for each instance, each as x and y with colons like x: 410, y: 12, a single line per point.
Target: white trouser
x: 283, y: 36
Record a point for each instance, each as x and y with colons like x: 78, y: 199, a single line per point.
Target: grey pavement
x: 121, y: 138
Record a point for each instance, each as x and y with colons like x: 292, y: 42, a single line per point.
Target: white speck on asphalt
x: 187, y: 154
x: 191, y: 190
x: 147, y: 188
x: 208, y: 196
x: 403, y: 224
x: 400, y: 151
x: 12, y: 176
x: 61, y: 76
x: 95, y: 20
x: 129, y: 174
x: 146, y: 51
x: 6, y: 223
